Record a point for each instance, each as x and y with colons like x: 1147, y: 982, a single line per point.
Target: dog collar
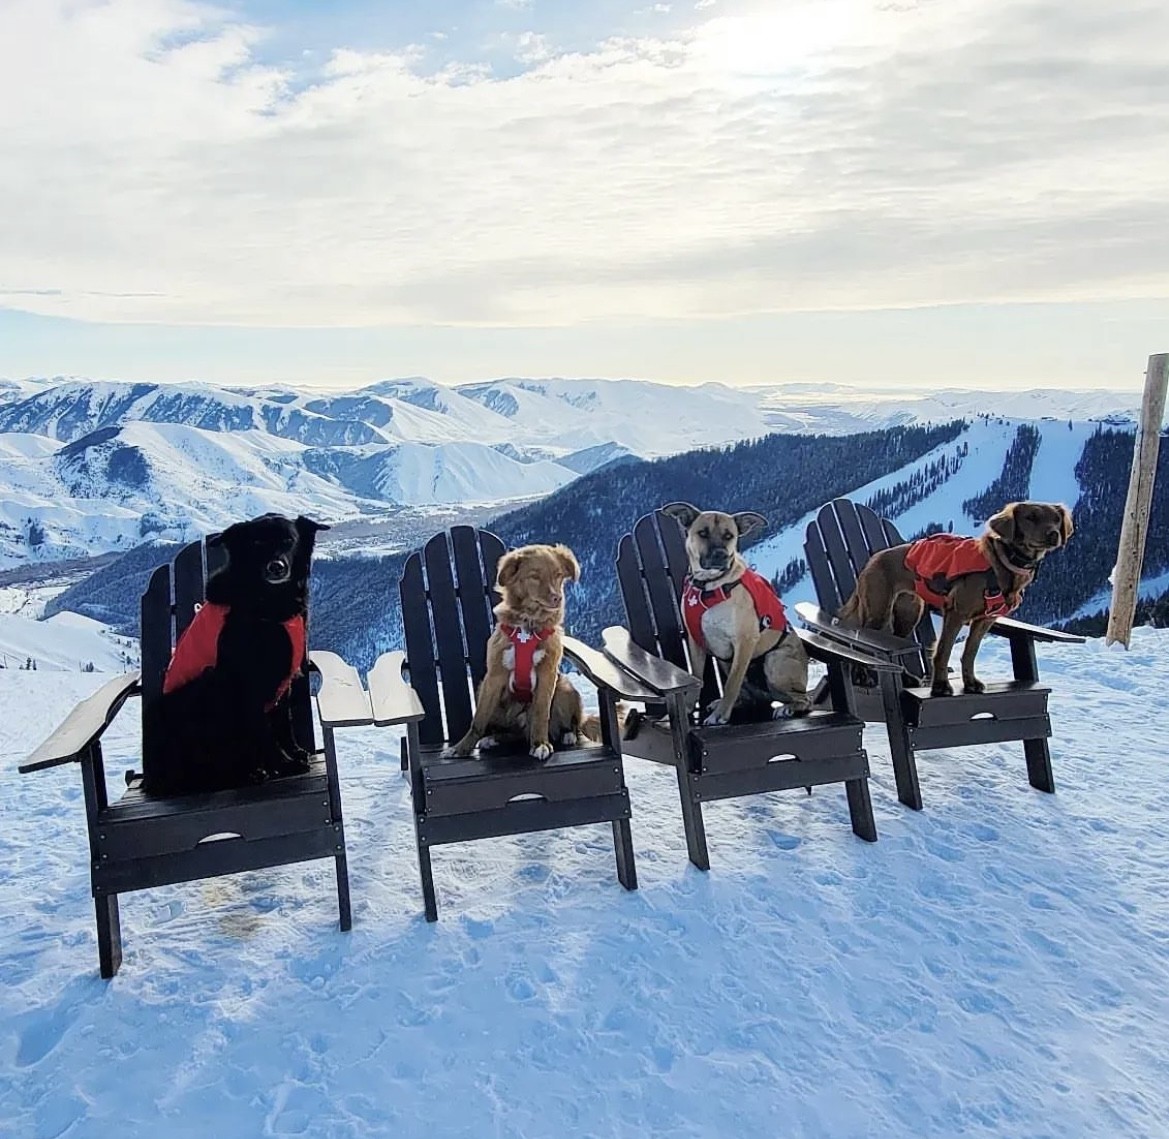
x: 1011, y: 555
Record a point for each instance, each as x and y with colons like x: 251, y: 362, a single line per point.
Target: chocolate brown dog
x: 732, y: 613
x: 970, y: 581
x: 523, y: 693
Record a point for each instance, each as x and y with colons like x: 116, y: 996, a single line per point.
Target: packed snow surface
x: 994, y: 966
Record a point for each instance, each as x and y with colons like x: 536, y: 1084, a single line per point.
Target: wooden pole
x: 1126, y: 578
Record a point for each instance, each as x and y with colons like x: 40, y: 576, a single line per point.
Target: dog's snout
x: 1053, y: 537
x: 716, y: 557
x: 277, y: 570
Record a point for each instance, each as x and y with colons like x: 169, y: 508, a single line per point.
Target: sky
x: 927, y: 192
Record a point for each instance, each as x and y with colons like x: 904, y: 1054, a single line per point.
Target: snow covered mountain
x: 89, y: 467
x: 120, y: 485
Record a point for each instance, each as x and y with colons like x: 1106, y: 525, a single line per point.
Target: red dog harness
x: 768, y: 607
x: 198, y: 650
x: 938, y: 561
x: 526, y: 642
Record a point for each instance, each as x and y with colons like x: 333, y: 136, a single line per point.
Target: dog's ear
x: 683, y: 511
x: 306, y: 526
x: 225, y: 538
x: 509, y: 566
x: 1002, y: 525
x: 1066, y: 528
x: 748, y: 521
x: 568, y: 562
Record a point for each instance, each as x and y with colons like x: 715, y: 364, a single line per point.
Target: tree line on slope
x: 355, y: 599
x: 1013, y: 481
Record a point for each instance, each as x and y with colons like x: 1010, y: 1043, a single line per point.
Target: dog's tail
x: 850, y: 612
x: 628, y: 720
x: 590, y: 728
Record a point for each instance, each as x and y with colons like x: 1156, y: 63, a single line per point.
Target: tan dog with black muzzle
x: 734, y: 615
x: 970, y: 581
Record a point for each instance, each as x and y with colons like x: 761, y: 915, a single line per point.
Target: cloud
x: 827, y: 155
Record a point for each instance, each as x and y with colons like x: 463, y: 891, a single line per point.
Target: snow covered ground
x: 997, y: 965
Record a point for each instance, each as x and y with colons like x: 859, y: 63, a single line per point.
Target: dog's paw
x: 714, y: 719
x: 291, y: 763
x: 257, y: 775
x: 942, y: 688
x: 790, y: 711
x: 541, y: 751
x: 569, y: 739
x: 974, y: 686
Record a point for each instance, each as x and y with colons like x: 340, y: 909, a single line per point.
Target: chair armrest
x: 604, y: 673
x: 393, y: 700
x: 85, y: 724
x: 342, y: 701
x: 1007, y: 627
x: 874, y: 642
x: 660, y: 675
x: 834, y: 652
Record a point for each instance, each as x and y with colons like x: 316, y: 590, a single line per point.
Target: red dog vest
x: 525, y: 642
x: 941, y: 559
x: 768, y: 607
x: 198, y: 650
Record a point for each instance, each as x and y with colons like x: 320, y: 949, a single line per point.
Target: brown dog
x: 523, y: 693
x: 970, y: 581
x: 733, y: 614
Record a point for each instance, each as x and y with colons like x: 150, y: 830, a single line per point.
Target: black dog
x: 224, y: 719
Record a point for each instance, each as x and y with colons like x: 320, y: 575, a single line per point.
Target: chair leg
x: 429, y: 901
x: 1039, y: 773
x: 109, y: 934
x: 692, y: 821
x: 691, y: 809
x: 623, y: 848
x: 860, y: 808
x: 343, y: 892
x: 904, y: 764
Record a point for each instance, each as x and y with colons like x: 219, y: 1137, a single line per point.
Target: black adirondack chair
x: 734, y: 759
x: 448, y: 592
x: 138, y: 841
x: 837, y: 545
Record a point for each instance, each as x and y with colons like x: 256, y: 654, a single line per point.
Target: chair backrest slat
x: 448, y: 636
x: 664, y: 593
x: 837, y: 552
x: 420, y: 648
x: 155, y: 641
x: 855, y: 541
x: 189, y: 585
x: 638, y: 618
x: 474, y: 591
x: 876, y: 536
x: 817, y: 558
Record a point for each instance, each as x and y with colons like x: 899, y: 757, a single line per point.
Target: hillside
x: 780, y: 475
x: 925, y: 478
x: 93, y: 467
